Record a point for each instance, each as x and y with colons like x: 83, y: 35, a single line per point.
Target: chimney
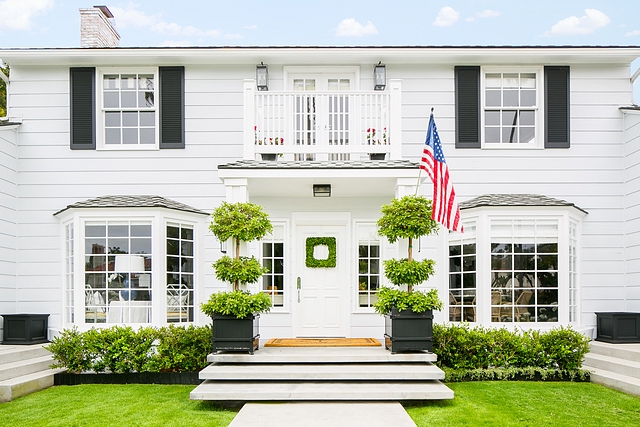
x: 97, y: 28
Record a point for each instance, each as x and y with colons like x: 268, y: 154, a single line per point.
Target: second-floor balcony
x: 322, y: 125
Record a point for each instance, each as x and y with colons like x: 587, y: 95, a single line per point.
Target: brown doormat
x: 322, y: 342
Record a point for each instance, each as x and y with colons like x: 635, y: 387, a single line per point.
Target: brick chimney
x: 97, y: 28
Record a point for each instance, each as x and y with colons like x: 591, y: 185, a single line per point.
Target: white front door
x: 320, y: 302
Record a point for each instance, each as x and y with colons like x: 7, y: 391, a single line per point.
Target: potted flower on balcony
x: 371, y: 140
x: 235, y: 314
x: 408, y: 312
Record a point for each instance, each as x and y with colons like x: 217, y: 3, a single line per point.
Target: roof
x: 511, y: 200
x: 8, y: 123
x: 133, y: 202
x: 338, y: 164
x: 313, y: 55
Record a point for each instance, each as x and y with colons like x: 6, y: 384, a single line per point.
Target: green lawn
x: 528, y: 403
x: 496, y: 403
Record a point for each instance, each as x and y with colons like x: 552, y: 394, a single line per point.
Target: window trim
x: 101, y: 144
x: 538, y: 108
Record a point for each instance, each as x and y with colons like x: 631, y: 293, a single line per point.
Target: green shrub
x: 416, y: 301
x: 237, y: 303
x: 122, y: 349
x: 458, y: 346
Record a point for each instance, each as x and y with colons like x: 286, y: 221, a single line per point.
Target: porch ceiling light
x: 379, y: 76
x: 262, y: 77
x: 321, y: 190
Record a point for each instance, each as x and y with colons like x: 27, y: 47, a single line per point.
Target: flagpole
x: 420, y: 170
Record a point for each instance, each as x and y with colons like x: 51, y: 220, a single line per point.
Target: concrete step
x: 256, y: 391
x: 16, y: 353
x: 614, y: 380
x: 328, y: 372
x: 26, y: 384
x: 25, y: 367
x: 629, y: 352
x: 323, y: 355
x: 613, y: 364
x: 323, y: 414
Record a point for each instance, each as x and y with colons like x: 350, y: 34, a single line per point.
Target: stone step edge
x: 26, y: 384
x: 614, y: 380
x: 321, y: 391
x: 17, y: 354
x: 594, y: 359
x: 618, y: 350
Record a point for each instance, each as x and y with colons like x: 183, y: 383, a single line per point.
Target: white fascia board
x: 317, y: 173
x: 320, y: 55
x: 524, y: 211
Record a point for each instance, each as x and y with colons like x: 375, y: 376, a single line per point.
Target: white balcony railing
x: 322, y: 125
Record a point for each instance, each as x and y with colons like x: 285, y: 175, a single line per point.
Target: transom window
x: 510, y: 108
x: 129, y: 110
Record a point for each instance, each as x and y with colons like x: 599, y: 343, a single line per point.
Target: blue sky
x: 56, y: 23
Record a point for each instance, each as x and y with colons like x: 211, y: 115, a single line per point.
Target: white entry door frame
x: 321, y: 304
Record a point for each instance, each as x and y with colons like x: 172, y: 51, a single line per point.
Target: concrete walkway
x: 323, y: 414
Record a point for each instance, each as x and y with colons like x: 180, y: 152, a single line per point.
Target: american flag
x: 445, y: 207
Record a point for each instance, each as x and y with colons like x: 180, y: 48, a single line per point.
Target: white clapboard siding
x: 8, y: 214
x: 632, y: 211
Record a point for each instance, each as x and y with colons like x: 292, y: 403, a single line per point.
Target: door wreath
x: 311, y: 261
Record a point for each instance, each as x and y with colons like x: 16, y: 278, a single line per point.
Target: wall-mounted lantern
x: 262, y: 77
x: 379, y: 76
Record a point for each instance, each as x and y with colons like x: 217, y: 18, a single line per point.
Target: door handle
x: 298, y: 285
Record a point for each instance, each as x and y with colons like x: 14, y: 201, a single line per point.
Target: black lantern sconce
x: 262, y: 77
x: 379, y: 76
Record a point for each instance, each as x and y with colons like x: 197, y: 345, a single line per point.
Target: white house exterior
x: 112, y: 158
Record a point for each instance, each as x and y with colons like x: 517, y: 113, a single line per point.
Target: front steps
x: 615, y: 365
x: 289, y: 374
x: 24, y: 369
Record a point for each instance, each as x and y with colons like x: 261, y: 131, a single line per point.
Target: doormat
x: 322, y: 342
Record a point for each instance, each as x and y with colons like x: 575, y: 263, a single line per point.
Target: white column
x: 237, y: 190
x: 395, y: 119
x: 249, y: 111
x: 407, y: 186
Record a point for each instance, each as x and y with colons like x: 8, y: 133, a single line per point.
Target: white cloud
x: 591, y: 21
x: 132, y: 16
x: 351, y: 27
x: 446, y: 17
x: 17, y: 14
x: 488, y: 14
x: 249, y: 27
x: 633, y: 33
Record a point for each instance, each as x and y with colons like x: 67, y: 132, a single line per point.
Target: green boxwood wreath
x: 330, y: 262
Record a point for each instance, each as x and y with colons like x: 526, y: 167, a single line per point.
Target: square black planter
x: 233, y: 334
x: 377, y: 156
x: 618, y: 328
x: 408, y: 331
x: 25, y: 328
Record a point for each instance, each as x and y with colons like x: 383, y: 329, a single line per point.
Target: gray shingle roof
x: 515, y: 200
x: 338, y: 164
x: 8, y: 123
x: 133, y: 202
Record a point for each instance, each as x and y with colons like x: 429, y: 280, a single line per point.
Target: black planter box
x: 618, y: 328
x: 185, y: 378
x: 25, y: 328
x: 408, y: 331
x: 233, y: 334
x: 377, y: 156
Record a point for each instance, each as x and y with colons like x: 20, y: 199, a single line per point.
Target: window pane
x: 186, y: 233
x: 455, y: 281
x: 548, y: 248
x: 128, y: 82
x: 130, y: 118
x: 118, y: 230
x: 527, y: 118
x: 492, y: 135
x: 492, y: 118
x: 112, y: 118
x: 173, y: 247
x: 510, y: 98
x: 493, y: 80
x: 509, y: 135
x: 141, y: 246
x: 528, y: 80
x: 527, y: 98
x: 110, y: 82
x: 145, y: 99
x: 147, y: 136
x: 147, y: 118
x: 173, y: 232
x: 510, y: 80
x: 469, y: 280
x: 140, y: 230
x: 130, y: 136
x: 493, y: 98
x: 527, y: 134
x: 187, y: 248
x: 455, y: 250
x: 111, y: 100
x: 95, y: 230
x: 469, y: 263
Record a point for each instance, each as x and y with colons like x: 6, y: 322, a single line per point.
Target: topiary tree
x: 242, y: 222
x: 407, y: 218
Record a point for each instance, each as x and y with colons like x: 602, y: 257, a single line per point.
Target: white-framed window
x: 511, y: 100
x: 515, y: 266
x: 128, y: 112
x: 180, y: 272
x: 463, y: 275
x: 273, y: 258
x: 369, y: 264
x: 69, y: 278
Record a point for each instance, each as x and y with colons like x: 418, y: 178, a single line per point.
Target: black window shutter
x: 556, y: 93
x: 83, y: 108
x: 171, y: 107
x: 467, y: 107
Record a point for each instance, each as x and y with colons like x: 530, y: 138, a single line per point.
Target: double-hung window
x: 129, y: 114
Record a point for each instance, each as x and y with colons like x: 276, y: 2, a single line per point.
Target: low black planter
x: 268, y: 156
x: 408, y: 331
x: 25, y: 328
x: 377, y: 156
x: 186, y: 378
x: 618, y: 327
x: 233, y: 334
